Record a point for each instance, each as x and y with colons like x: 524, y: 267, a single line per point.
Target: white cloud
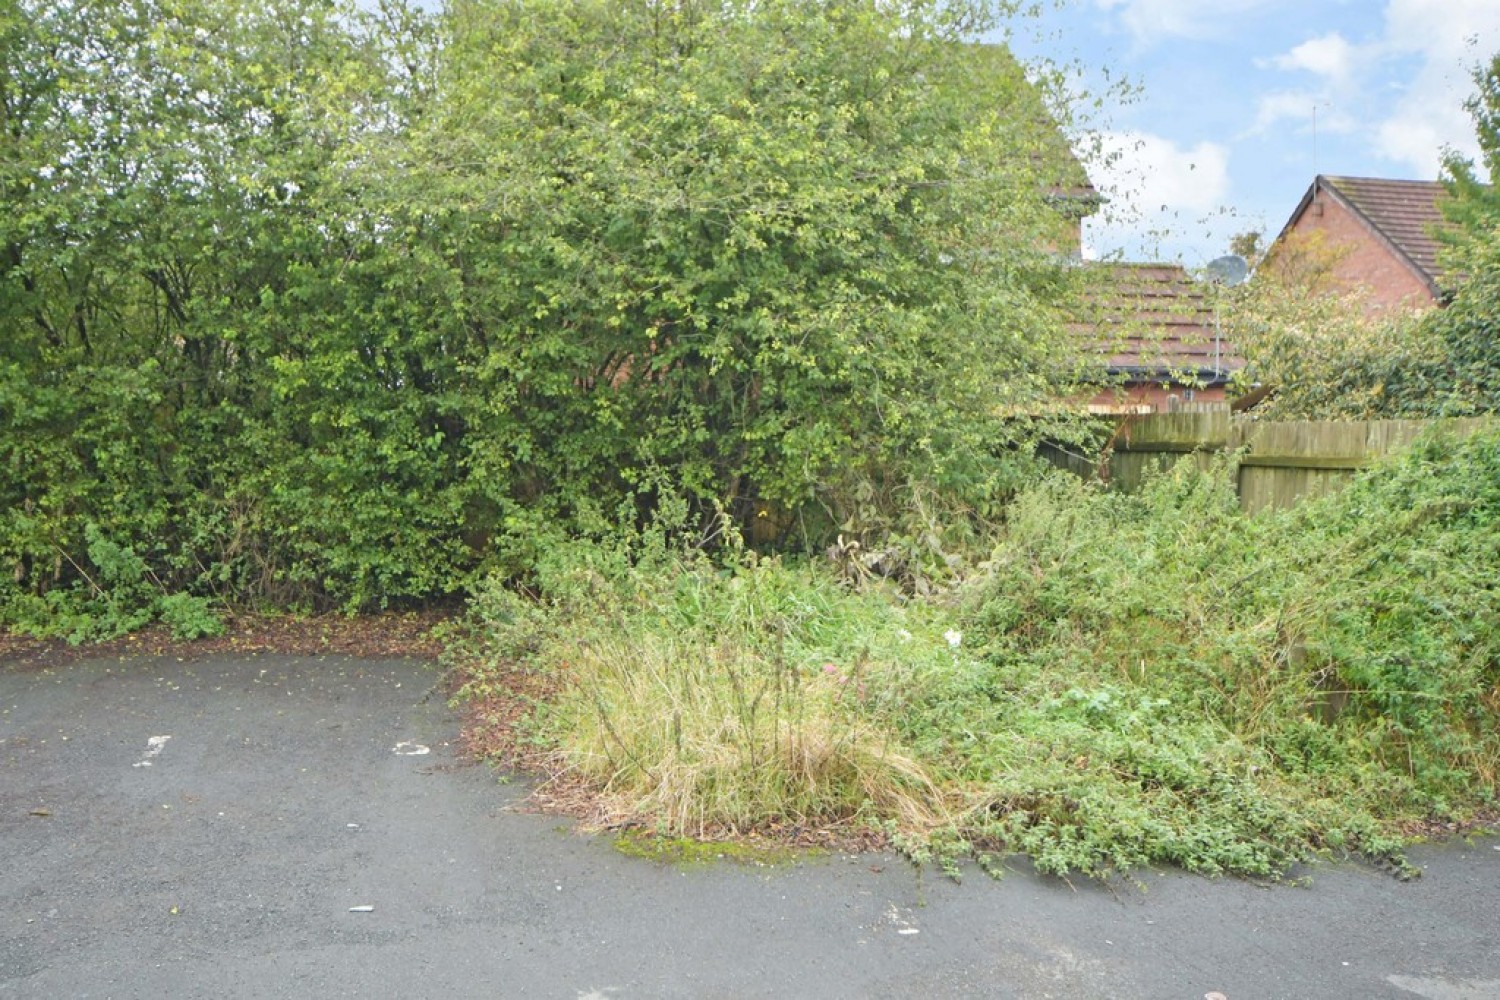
x: 1154, y: 187
x: 1340, y: 66
x: 1416, y: 141
x: 1443, y: 29
x: 1156, y: 20
x: 1402, y: 90
x: 1301, y: 106
x: 1330, y: 56
x: 1150, y: 169
x: 1388, y: 86
x: 1447, y: 37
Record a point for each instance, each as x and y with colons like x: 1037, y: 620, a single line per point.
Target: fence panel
x: 1146, y: 443
x: 1282, y: 462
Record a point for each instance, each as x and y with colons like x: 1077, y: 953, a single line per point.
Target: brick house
x: 1379, y: 234
x: 1155, y: 332
x: 1148, y: 332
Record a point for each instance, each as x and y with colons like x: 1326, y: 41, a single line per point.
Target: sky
x: 1239, y: 104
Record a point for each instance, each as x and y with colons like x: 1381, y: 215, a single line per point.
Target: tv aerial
x: 1225, y: 272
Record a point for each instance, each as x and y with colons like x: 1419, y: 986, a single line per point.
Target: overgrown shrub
x: 1229, y: 692
x: 313, y: 301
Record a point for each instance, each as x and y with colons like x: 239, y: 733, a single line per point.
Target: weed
x: 189, y: 617
x: 1126, y: 680
x: 714, y: 698
x: 121, y: 595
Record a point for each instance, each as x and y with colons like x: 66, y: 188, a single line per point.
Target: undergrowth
x: 715, y: 697
x: 121, y: 594
x: 1122, y: 680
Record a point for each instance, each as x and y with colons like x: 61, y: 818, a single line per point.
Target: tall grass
x: 715, y: 700
x: 1123, y: 680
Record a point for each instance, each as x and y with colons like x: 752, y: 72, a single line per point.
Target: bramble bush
x: 1123, y: 680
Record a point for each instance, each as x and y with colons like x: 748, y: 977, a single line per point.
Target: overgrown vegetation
x: 713, y: 696
x: 1328, y: 354
x: 1124, y: 680
x: 1470, y: 326
x: 325, y: 305
x: 307, y: 303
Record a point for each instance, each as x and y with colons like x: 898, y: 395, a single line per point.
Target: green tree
x: 177, y: 209
x: 1320, y: 348
x: 1470, y: 326
x: 1250, y: 245
x: 1329, y: 358
x: 306, y: 302
x: 785, y: 250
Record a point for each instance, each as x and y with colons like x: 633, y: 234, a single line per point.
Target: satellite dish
x: 1228, y: 271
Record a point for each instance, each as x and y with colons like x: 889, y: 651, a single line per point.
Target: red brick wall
x: 1363, y: 260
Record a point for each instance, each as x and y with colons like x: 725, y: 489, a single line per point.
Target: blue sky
x: 1221, y: 131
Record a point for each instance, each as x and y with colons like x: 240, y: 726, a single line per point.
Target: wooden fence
x: 1281, y: 462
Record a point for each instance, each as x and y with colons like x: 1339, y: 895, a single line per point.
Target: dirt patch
x: 1486, y: 823
x: 375, y: 636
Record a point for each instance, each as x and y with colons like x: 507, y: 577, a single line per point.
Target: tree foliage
x: 169, y: 171
x: 1326, y: 352
x: 315, y: 304
x: 778, y: 248
x: 1470, y: 326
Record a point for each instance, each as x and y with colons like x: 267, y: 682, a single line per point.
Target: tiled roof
x: 1154, y: 323
x: 1406, y: 213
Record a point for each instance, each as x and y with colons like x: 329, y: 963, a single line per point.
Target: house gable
x: 1382, y: 235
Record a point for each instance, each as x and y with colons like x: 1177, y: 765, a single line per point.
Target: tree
x: 1470, y: 326
x: 1329, y: 360
x: 1319, y: 348
x: 308, y: 302
x: 1250, y: 245
x: 175, y: 213
x: 1475, y: 188
x: 787, y: 250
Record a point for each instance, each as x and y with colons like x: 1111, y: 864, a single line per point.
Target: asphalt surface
x: 225, y: 860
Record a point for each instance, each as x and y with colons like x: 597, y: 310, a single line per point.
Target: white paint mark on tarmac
x: 154, y: 747
x: 1447, y: 989
x: 406, y: 748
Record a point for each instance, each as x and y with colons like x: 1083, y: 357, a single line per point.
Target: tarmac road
x: 203, y: 829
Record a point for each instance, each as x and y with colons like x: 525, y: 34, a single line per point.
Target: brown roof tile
x: 1405, y: 212
x: 1153, y: 322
